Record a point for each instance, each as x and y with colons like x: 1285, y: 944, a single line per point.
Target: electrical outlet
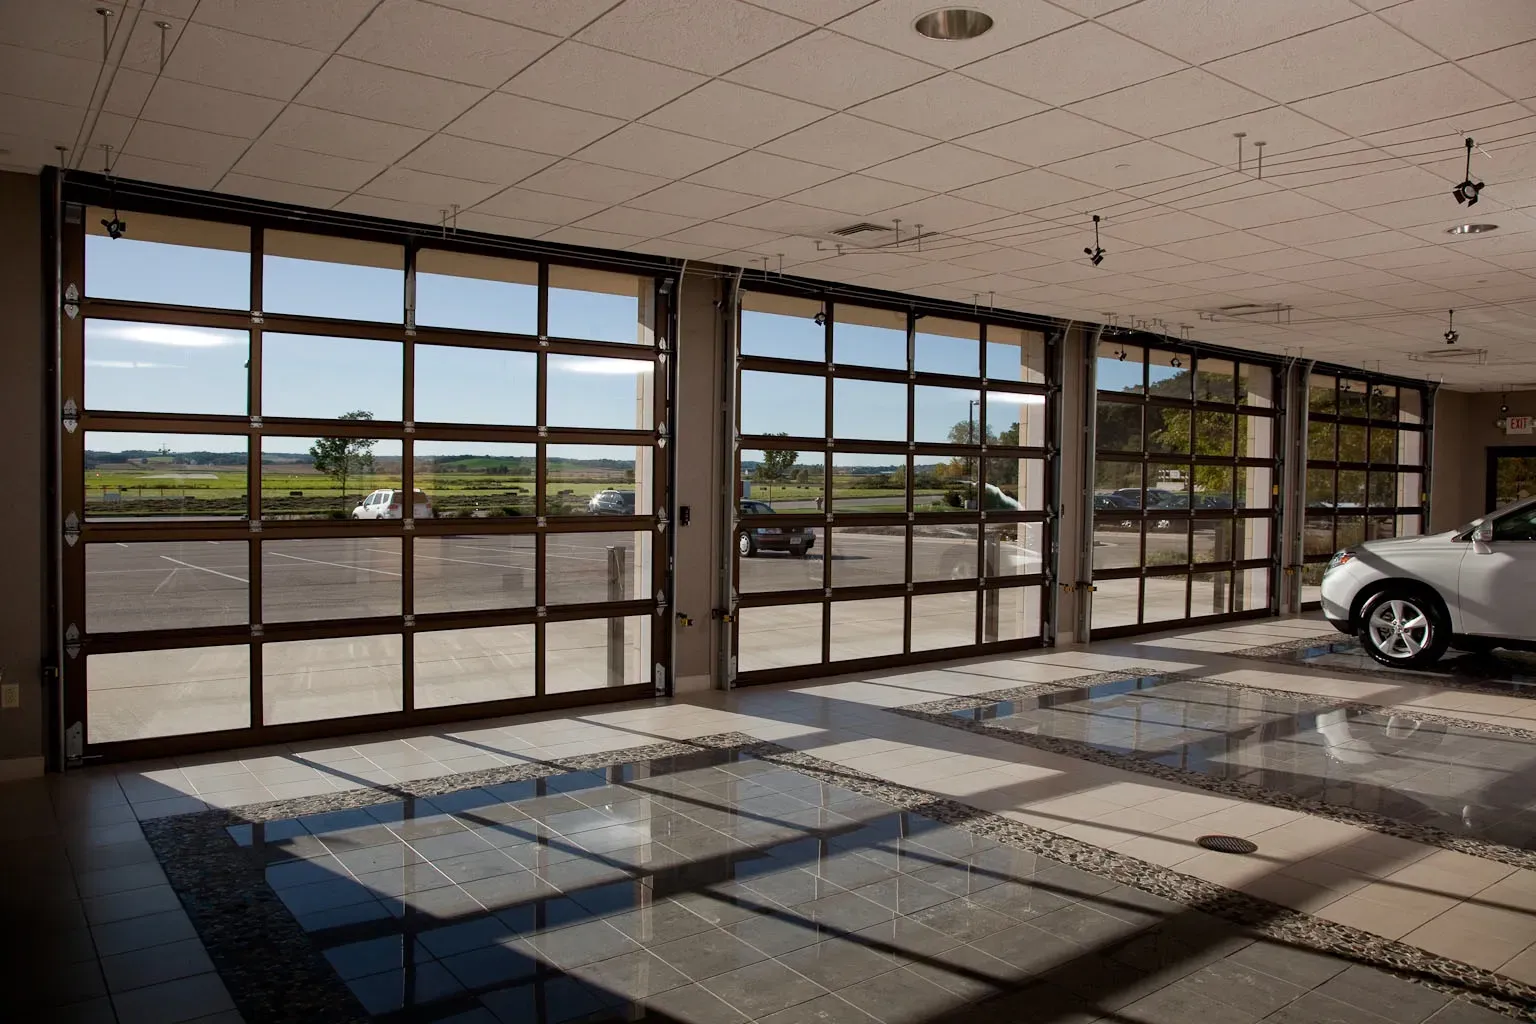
x: 10, y: 695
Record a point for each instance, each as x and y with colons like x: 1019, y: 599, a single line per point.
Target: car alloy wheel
x: 1400, y: 629
x: 746, y: 547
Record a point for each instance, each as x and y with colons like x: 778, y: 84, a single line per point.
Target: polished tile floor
x: 586, y: 895
x: 1514, y: 671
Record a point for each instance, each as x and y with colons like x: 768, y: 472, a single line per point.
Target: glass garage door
x: 320, y: 483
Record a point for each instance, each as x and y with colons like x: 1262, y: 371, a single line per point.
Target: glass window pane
x: 1165, y: 598
x: 1252, y: 590
x: 1383, y: 446
x: 593, y: 479
x: 1382, y: 488
x: 313, y: 680
x: 778, y: 637
x: 1116, y: 542
x: 1168, y: 374
x: 322, y: 275
x: 587, y: 391
x: 1351, y: 489
x: 1010, y: 613
x: 1213, y: 487
x: 329, y: 578
x: 1120, y: 480
x: 785, y: 481
x: 1255, y: 486
x: 1014, y: 485
x: 1120, y: 368
x: 1380, y: 527
x: 1320, y: 488
x: 476, y: 479
x: 1211, y: 540
x: 1251, y: 538
x: 867, y: 556
x: 589, y: 568
x: 785, y: 403
x: 1322, y: 395
x: 328, y: 477
x: 136, y: 695
x: 867, y: 629
x: 1168, y: 487
x: 1410, y: 406
x: 869, y: 337
x: 1350, y: 531
x: 1016, y: 355
x: 1353, y: 398
x: 1410, y: 447
x: 1117, y: 427
x: 318, y: 377
x: 1256, y: 385
x: 136, y: 367
x: 1168, y: 430
x: 1383, y: 402
x: 1215, y: 381
x: 1116, y: 603
x: 1013, y: 549
x: 1014, y: 418
x: 592, y: 654
x: 782, y: 327
x: 1256, y: 437
x: 168, y: 260
x: 465, y: 666
x: 1351, y: 443
x: 947, y: 346
x: 1318, y: 537
x: 164, y: 475
x: 947, y: 415
x: 476, y: 293
x: 1167, y: 541
x: 869, y: 410
x: 473, y: 572
x: 1322, y: 438
x: 168, y: 585
x: 475, y: 385
x: 946, y: 552
x: 595, y: 305
x: 1214, y: 433
x: 869, y: 482
x: 943, y: 620
x: 778, y: 557
x: 1210, y: 593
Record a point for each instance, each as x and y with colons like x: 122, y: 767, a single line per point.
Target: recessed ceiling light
x: 1122, y: 167
x: 953, y: 24
x: 1471, y: 229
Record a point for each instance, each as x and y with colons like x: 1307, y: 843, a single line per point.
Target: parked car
x: 389, y: 504
x: 612, y: 503
x: 1132, y: 496
x: 796, y: 540
x: 1410, y: 598
x: 1110, y: 502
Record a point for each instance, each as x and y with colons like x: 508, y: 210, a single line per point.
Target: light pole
x: 970, y: 438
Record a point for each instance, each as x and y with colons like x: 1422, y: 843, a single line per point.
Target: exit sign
x: 1518, y: 425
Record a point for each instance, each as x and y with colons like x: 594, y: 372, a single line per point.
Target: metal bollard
x: 992, y: 559
x: 616, y: 625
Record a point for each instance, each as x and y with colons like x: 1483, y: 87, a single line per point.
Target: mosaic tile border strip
x: 941, y: 713
x: 276, y: 974
x: 1284, y: 651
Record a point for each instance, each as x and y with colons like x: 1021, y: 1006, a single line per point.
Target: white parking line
x: 461, y: 561
x: 338, y: 565
x: 199, y: 568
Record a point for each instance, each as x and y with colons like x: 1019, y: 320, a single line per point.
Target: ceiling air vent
x: 863, y: 231
x: 1470, y: 356
x: 1273, y: 312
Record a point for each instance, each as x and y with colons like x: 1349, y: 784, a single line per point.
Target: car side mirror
x: 1483, y: 534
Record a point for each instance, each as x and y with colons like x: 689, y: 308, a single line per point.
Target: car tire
x: 1404, y: 627
x: 799, y: 550
x: 747, y: 546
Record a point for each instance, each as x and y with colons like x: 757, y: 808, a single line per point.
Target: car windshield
x: 1495, y: 514
x: 756, y: 508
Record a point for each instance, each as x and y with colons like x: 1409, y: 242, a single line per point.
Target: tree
x: 774, y: 466
x: 341, y: 458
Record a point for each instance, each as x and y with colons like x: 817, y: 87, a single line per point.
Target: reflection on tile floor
x: 1462, y: 781
x: 721, y: 888
x: 1517, y: 669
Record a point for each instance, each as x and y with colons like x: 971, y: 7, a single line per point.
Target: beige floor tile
x: 1225, y: 868
x: 1290, y: 892
x: 1469, y: 945
x: 1159, y: 850
x: 1521, y: 967
x: 1390, y: 920
x: 1452, y: 873
x: 1516, y: 891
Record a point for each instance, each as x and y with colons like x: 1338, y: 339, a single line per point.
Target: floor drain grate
x: 1227, y: 844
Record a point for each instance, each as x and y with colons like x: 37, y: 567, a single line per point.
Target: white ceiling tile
x: 1348, y: 53
x: 146, y: 41
x: 831, y: 70
x: 1379, y: 187
x: 40, y: 75
x: 1511, y: 70
x: 302, y: 167
x: 576, y: 75
x: 846, y: 142
x: 1404, y: 259
x: 1284, y: 132
x: 1204, y: 30
x: 1315, y: 229
x: 707, y: 36
x: 763, y: 174
x: 384, y: 94
x: 1183, y: 273
x: 1434, y: 92
x: 1046, y: 138
x: 1028, y: 190
x: 649, y: 150
x: 324, y: 131
x: 541, y: 207
x: 817, y: 12
x: 1159, y: 229
x: 592, y: 239
x: 943, y: 168
x: 437, y: 191
x: 322, y: 26
x: 732, y: 113
x: 1456, y: 30
x: 531, y: 124
x: 184, y: 146
x: 40, y: 119
x: 1093, y: 8
x: 858, y: 195
x: 1148, y: 161
x: 166, y: 172
x: 592, y: 181
x: 228, y: 60
x: 477, y: 161
x: 947, y: 107
x: 1223, y: 247
x: 1000, y: 260
x: 130, y: 90
x: 784, y: 217
x: 1410, y: 213
x: 208, y: 109
x: 644, y: 223
x: 1271, y: 208
x: 1082, y: 61
x: 1171, y: 103
x: 507, y: 226
x: 687, y: 199
x: 1147, y: 262
x: 888, y: 24
x: 726, y: 236
x: 942, y: 213
x: 280, y: 191
x: 71, y: 30
x: 676, y: 250
x: 559, y: 17
x: 429, y: 40
x: 1370, y: 246
x: 1076, y: 272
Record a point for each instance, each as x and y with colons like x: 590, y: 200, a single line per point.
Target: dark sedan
x: 796, y: 540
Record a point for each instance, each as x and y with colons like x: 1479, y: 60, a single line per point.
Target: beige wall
x: 23, y: 582
x: 1465, y: 428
